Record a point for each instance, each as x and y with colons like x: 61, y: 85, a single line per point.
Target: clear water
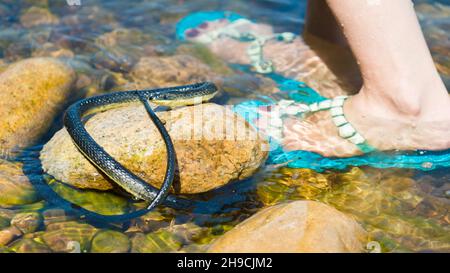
x: 403, y: 210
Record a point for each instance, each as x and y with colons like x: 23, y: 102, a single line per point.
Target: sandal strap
x: 335, y: 106
x: 255, y: 49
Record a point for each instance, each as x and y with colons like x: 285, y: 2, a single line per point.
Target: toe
x: 318, y: 134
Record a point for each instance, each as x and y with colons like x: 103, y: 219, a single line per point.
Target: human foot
x: 381, y: 127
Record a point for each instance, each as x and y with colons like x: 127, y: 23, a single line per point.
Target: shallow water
x: 403, y: 210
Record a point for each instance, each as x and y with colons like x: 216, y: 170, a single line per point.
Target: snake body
x: 171, y: 96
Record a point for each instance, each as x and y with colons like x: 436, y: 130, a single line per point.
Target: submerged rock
x: 35, y: 16
x: 169, y: 71
x: 105, y: 203
x: 7, y: 235
x: 208, y: 155
x: 27, y: 245
x: 300, y: 226
x: 27, y: 222
x: 52, y: 50
x: 156, y: 242
x: 121, y: 48
x: 15, y: 187
x: 31, y: 94
x: 109, y: 241
x: 68, y: 236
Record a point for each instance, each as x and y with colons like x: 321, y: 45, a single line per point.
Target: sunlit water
x: 403, y: 210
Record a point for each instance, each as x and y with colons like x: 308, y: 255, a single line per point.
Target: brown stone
x: 31, y: 94
x: 300, y: 226
x: 205, y: 162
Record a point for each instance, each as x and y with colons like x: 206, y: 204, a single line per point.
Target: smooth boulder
x: 299, y: 226
x: 32, y: 92
x: 208, y: 156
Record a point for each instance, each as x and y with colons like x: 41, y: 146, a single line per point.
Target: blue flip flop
x: 303, y: 100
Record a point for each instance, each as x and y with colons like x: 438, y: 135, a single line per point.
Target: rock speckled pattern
x: 299, y: 226
x: 32, y: 92
x: 208, y: 157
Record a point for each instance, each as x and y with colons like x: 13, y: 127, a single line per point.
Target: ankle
x: 406, y: 100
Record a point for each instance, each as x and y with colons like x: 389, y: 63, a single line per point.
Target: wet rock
x: 244, y: 86
x: 101, y: 202
x: 82, y: 23
x: 202, y: 53
x: 27, y: 222
x: 7, y: 235
x: 156, y: 242
x: 300, y: 226
x: 52, y: 216
x: 27, y: 245
x: 4, y: 222
x: 52, y: 50
x: 169, y: 71
x: 213, y: 149
x: 15, y: 187
x: 68, y: 237
x: 36, y: 16
x: 121, y: 48
x: 32, y: 92
x: 108, y: 241
x: 290, y: 184
x: 151, y: 221
x: 187, y: 233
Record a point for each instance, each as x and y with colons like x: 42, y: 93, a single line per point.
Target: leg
x: 403, y: 103
x: 320, y: 22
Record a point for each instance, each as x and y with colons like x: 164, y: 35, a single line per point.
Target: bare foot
x: 382, y: 129
x: 386, y: 123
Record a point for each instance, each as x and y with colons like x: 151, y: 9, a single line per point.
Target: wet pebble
x: 36, y: 16
x: 27, y: 245
x: 27, y: 222
x: 108, y: 241
x: 7, y: 235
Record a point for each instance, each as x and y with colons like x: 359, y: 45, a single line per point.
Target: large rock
x: 207, y: 156
x: 31, y: 94
x: 300, y: 226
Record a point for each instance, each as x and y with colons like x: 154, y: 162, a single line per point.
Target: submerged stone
x: 27, y: 245
x: 35, y: 16
x: 9, y: 234
x: 105, y: 203
x: 299, y: 226
x: 121, y: 48
x: 155, y: 242
x: 68, y: 237
x: 169, y: 71
x: 15, y: 187
x: 109, y: 241
x: 27, y: 222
